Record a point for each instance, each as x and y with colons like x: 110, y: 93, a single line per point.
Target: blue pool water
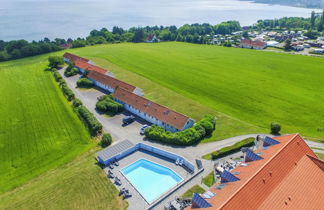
x: 150, y: 179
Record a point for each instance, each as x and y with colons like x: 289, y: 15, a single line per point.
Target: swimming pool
x: 151, y: 180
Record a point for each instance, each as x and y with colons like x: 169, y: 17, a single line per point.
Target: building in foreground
x: 152, y: 112
x: 283, y: 174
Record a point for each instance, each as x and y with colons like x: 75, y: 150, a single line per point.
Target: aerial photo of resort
x: 162, y: 105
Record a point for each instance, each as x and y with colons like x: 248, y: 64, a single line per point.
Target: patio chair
x: 116, y: 163
x: 111, y: 166
x: 181, y: 162
x: 127, y: 195
x: 122, y: 191
x: 117, y: 181
x: 111, y: 175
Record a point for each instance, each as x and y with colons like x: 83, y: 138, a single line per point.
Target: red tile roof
x: 84, y: 65
x: 110, y: 81
x: 74, y: 58
x: 160, y: 112
x: 289, y: 176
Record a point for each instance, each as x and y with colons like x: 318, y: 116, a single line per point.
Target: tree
x: 287, y: 44
x: 275, y: 128
x: 312, y: 20
x: 321, y: 23
x: 105, y: 140
x: 55, y: 61
x: 138, y: 35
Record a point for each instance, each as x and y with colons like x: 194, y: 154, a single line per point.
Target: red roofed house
x: 284, y: 174
x: 152, y: 112
x: 83, y: 66
x: 253, y: 44
x: 69, y: 57
x: 111, y: 84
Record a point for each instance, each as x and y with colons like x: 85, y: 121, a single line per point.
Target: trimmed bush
x: 107, y: 104
x: 187, y: 137
x: 91, y: 122
x: 76, y: 102
x: 55, y: 61
x: 84, y: 83
x: 67, y: 92
x: 275, y: 128
x: 105, y: 140
x: 57, y: 76
x: 230, y: 149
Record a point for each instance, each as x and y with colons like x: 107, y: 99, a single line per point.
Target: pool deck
x: 137, y: 201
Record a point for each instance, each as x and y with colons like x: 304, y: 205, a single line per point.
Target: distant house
x: 111, y: 84
x: 66, y: 45
x: 69, y: 57
x: 152, y: 112
x: 253, y: 44
x: 152, y: 38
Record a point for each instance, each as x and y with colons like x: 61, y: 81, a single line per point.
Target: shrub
x: 85, y: 83
x: 105, y: 140
x: 55, y: 61
x: 186, y: 137
x: 107, y: 104
x: 57, y: 76
x: 71, y: 71
x: 91, y: 122
x: 67, y: 92
x: 275, y: 128
x: 76, y: 102
x: 230, y: 149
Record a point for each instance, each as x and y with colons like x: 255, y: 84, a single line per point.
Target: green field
x: 38, y: 128
x: 80, y: 184
x: 245, y: 89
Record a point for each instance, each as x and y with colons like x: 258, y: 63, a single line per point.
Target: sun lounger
x: 111, y: 175
x: 122, y: 191
x: 127, y: 194
x: 111, y: 166
x: 117, y: 181
x: 116, y: 163
x: 177, y: 161
x: 181, y: 162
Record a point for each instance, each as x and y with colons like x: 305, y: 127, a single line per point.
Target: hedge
x: 230, y: 149
x: 57, y: 76
x: 91, y: 122
x: 189, y: 136
x: 67, y: 92
x: 107, y: 104
x: 84, y: 83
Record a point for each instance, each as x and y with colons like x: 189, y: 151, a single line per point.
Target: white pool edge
x: 168, y: 191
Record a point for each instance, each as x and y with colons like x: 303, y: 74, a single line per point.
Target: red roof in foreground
x: 84, y: 65
x: 288, y: 177
x: 74, y: 58
x: 160, y: 112
x: 110, y: 81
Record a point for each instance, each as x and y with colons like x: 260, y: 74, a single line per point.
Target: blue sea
x: 36, y: 19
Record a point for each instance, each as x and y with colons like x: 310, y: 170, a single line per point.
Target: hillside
x: 38, y: 129
x: 248, y: 89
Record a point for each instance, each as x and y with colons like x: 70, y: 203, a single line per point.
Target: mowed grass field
x: 80, y: 184
x: 245, y: 89
x: 38, y: 128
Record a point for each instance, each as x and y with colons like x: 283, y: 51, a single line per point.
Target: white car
x: 143, y: 129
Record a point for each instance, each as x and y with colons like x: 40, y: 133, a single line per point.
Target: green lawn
x: 194, y: 189
x: 38, y: 128
x: 209, y: 180
x: 246, y: 89
x: 80, y: 184
x: 320, y: 156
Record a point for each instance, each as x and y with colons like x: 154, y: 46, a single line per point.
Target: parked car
x: 128, y: 119
x: 143, y: 129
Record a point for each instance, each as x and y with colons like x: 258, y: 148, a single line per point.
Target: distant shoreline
x: 288, y: 3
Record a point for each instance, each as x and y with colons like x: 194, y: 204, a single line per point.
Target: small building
x: 110, y: 84
x: 253, y: 44
x: 152, y: 38
x: 152, y: 112
x: 69, y: 57
x: 319, y: 51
